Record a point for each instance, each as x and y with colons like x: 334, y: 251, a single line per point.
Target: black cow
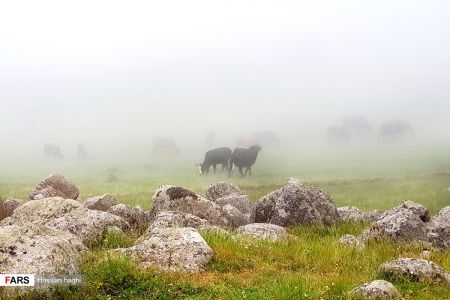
x: 215, y: 157
x: 337, y: 134
x: 244, y: 158
x: 52, y: 151
x: 394, y: 130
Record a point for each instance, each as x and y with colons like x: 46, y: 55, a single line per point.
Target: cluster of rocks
x: 408, y: 222
x: 49, y: 232
x: 170, y: 241
x: 413, y: 269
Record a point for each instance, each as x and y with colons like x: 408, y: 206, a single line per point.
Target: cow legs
x: 215, y: 168
x: 248, y: 170
x: 240, y: 171
x: 230, y: 168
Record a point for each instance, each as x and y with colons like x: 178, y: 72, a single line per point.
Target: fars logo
x: 16, y: 279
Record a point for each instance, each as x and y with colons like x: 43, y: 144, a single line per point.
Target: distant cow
x: 244, y: 158
x: 394, y: 130
x: 165, y: 146
x: 265, y: 138
x: 337, y: 134
x: 356, y: 124
x: 81, y: 151
x: 52, y: 151
x: 215, y: 157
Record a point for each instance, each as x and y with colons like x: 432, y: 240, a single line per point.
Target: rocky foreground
x: 48, y: 233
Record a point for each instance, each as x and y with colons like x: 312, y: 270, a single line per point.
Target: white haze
x: 115, y: 73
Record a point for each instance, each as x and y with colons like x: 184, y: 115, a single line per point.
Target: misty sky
x: 117, y: 66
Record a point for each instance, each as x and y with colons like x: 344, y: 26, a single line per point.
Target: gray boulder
x: 221, y: 189
x: 415, y: 269
x: 375, y: 290
x: 296, y: 204
x: 241, y: 202
x: 54, y: 186
x: 171, y: 250
x: 418, y: 209
x: 65, y: 215
x: 438, y: 229
x: 103, y: 202
x: 263, y: 231
x: 172, y: 198
x: 398, y: 225
x: 38, y: 249
x: 170, y: 219
x: 234, y: 216
x: 135, y: 216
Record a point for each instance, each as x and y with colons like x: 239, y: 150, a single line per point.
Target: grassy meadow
x: 312, y: 267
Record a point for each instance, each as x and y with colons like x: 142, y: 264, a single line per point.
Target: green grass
x: 313, y: 266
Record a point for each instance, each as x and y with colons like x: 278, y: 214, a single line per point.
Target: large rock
x: 398, y: 225
x: 415, y: 269
x: 2, y: 210
x: 172, y: 198
x: 296, y: 204
x: 418, y: 209
x: 170, y: 219
x: 135, y: 216
x: 11, y: 204
x: 375, y: 290
x: 171, y: 250
x: 241, y: 202
x: 263, y: 231
x: 438, y: 229
x: 38, y: 249
x: 354, y: 214
x: 235, y: 217
x: 221, y: 189
x: 54, y: 186
x: 103, y: 202
x: 65, y: 215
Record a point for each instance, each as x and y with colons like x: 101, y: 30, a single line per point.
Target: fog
x: 115, y: 75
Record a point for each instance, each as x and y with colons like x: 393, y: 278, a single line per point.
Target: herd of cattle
x: 247, y: 148
x: 390, y: 131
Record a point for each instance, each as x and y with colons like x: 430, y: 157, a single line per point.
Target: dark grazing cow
x: 337, y: 134
x: 52, y: 151
x: 215, y: 157
x: 165, y: 145
x: 244, y: 158
x: 394, y: 130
